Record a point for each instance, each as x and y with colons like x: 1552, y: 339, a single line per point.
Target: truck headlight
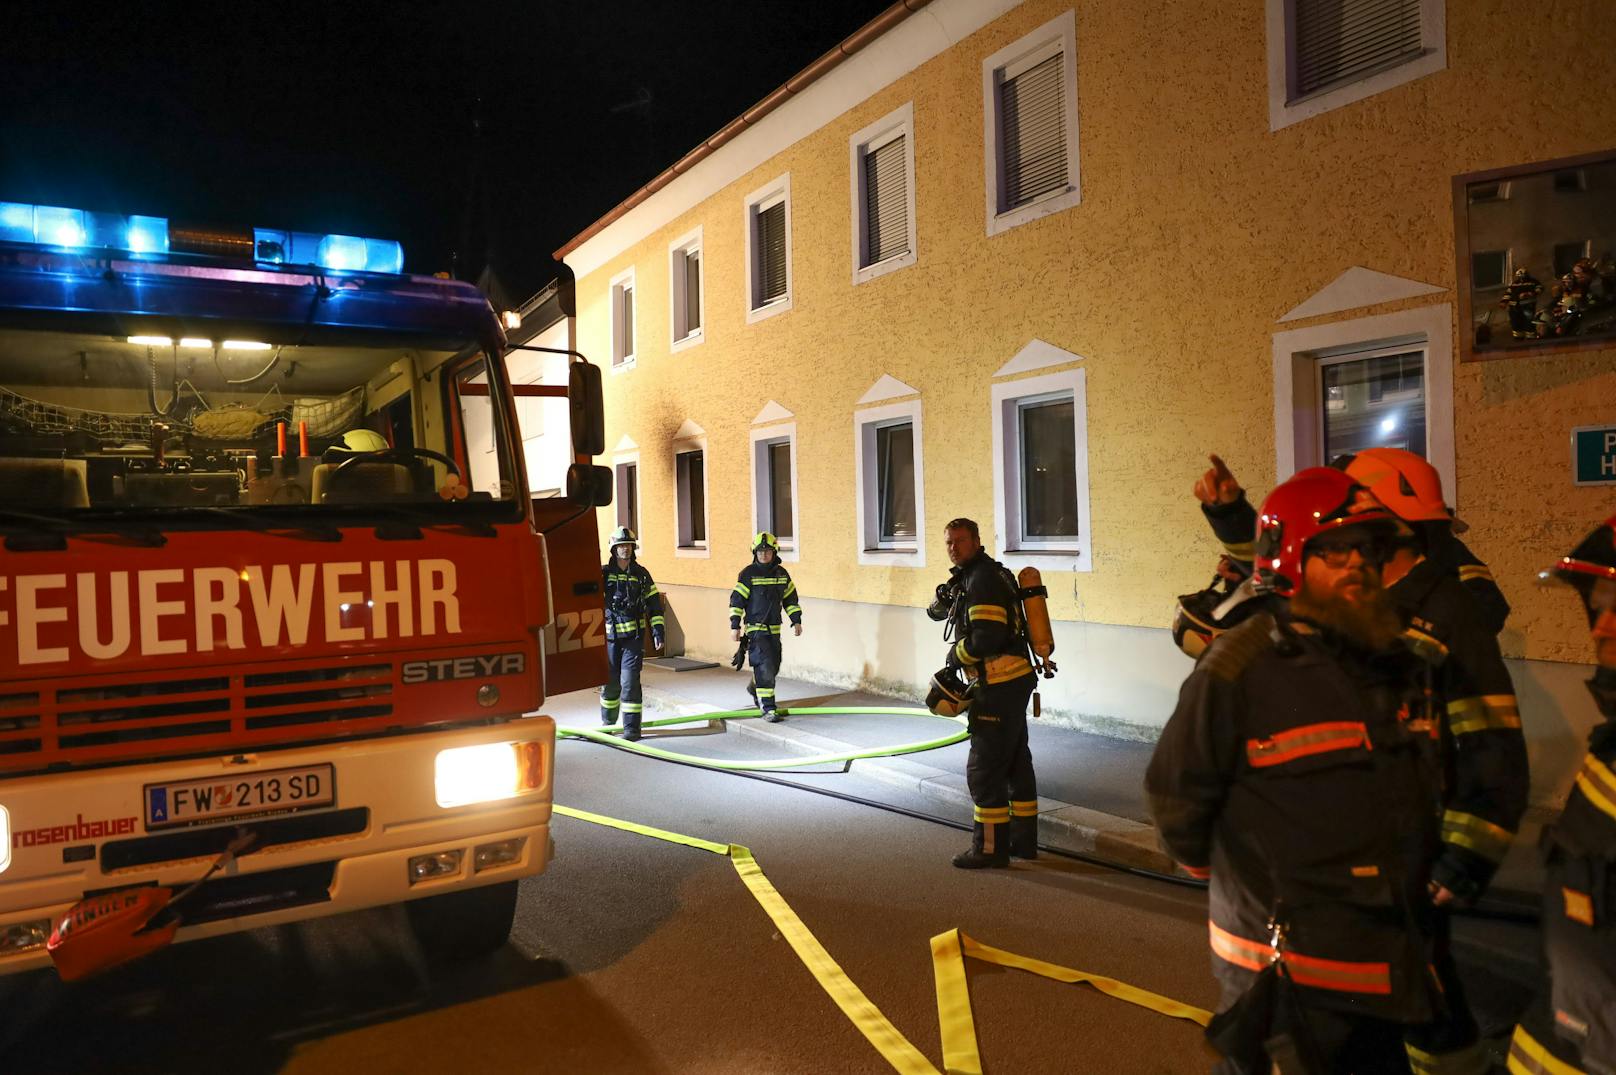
x: 488, y: 773
x: 5, y: 839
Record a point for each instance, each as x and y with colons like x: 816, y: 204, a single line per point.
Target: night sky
x: 471, y: 132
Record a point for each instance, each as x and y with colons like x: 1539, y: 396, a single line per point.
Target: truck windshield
x: 93, y: 426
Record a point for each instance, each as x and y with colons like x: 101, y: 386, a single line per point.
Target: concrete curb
x: 1060, y: 824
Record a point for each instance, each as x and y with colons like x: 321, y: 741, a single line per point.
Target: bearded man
x: 1290, y: 778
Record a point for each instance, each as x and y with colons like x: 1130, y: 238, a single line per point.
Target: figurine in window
x: 1520, y: 302
x: 1570, y: 303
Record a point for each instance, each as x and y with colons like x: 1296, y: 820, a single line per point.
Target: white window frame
x: 678, y: 250
x: 1010, y: 546
x: 1283, y: 111
x: 623, y: 281
x: 763, y: 438
x: 898, y: 123
x: 703, y: 550
x: 765, y: 197
x: 870, y: 551
x: 1058, y: 33
x: 619, y: 461
x: 1298, y: 426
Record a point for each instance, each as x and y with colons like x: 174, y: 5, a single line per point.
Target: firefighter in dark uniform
x: 1571, y: 1028
x: 763, y: 590
x: 1288, y: 726
x: 1474, y: 734
x: 632, y: 601
x: 990, y: 651
x: 1233, y: 521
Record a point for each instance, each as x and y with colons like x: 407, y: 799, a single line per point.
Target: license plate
x: 260, y: 793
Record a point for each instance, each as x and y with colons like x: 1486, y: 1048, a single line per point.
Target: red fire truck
x: 273, y: 588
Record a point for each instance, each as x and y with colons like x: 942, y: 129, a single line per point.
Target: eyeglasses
x: 1337, y: 553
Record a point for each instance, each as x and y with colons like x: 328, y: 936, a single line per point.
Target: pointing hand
x: 1217, y: 485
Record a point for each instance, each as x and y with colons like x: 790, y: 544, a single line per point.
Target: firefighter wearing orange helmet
x: 1288, y: 725
x: 1572, y: 1025
x: 1475, y: 732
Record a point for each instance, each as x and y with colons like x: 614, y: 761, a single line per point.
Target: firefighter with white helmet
x: 762, y: 592
x: 633, y: 602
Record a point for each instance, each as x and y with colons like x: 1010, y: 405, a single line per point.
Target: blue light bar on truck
x: 328, y: 251
x: 58, y: 226
x: 55, y: 225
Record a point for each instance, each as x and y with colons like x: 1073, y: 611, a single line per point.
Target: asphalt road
x: 634, y: 955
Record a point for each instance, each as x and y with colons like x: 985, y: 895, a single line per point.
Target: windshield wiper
x: 24, y: 529
x: 248, y: 518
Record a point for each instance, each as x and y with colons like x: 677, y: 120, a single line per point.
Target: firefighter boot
x: 1024, y: 837
x: 987, y: 848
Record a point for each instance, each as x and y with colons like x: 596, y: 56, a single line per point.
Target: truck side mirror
x: 587, y: 410
x: 589, y: 486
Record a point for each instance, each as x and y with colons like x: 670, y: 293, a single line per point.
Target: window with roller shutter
x: 882, y: 159
x: 1031, y: 140
x: 768, y: 249
x: 1325, y: 54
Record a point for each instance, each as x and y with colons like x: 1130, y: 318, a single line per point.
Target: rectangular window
x: 781, y: 515
x: 883, y: 185
x: 891, y: 485
x: 1048, y: 471
x: 685, y: 290
x: 1566, y: 255
x: 1489, y: 268
x: 1340, y: 41
x: 768, y: 250
x: 690, y: 478
x: 774, y: 485
x: 1570, y: 181
x: 1373, y: 401
x: 895, y: 484
x: 628, y: 495
x: 1040, y: 482
x: 1031, y: 144
x: 1323, y: 54
x: 623, y: 320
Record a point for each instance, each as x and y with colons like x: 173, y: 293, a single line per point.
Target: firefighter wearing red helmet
x: 1572, y: 1025
x: 1287, y: 727
x: 1233, y: 521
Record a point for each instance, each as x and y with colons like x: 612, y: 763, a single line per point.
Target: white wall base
x: 1117, y: 681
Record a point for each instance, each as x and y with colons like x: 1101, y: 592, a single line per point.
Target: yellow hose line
x: 948, y: 954
x: 948, y: 951
x: 858, y: 1008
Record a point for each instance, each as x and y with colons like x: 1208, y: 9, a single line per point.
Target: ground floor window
x: 891, y: 485
x: 628, y: 494
x: 1040, y: 429
x: 1374, y: 400
x: 690, y: 480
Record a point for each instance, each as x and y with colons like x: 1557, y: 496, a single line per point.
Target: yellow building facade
x: 1207, y: 249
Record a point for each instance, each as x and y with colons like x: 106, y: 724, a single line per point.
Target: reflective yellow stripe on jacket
x: 1598, y: 784
x: 1478, y: 834
x: 1485, y: 712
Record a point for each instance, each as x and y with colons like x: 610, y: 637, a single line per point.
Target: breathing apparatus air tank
x: 1035, y: 607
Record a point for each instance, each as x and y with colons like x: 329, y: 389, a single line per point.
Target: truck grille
x: 67, y: 723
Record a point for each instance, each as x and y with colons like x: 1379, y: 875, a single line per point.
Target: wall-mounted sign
x: 1593, y: 455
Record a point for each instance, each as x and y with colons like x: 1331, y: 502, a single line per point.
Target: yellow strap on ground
x: 863, y: 1013
x: 859, y: 1009
x: 949, y: 951
x: 644, y: 830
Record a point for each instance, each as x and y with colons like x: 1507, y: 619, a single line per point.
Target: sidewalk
x: 1091, y: 787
